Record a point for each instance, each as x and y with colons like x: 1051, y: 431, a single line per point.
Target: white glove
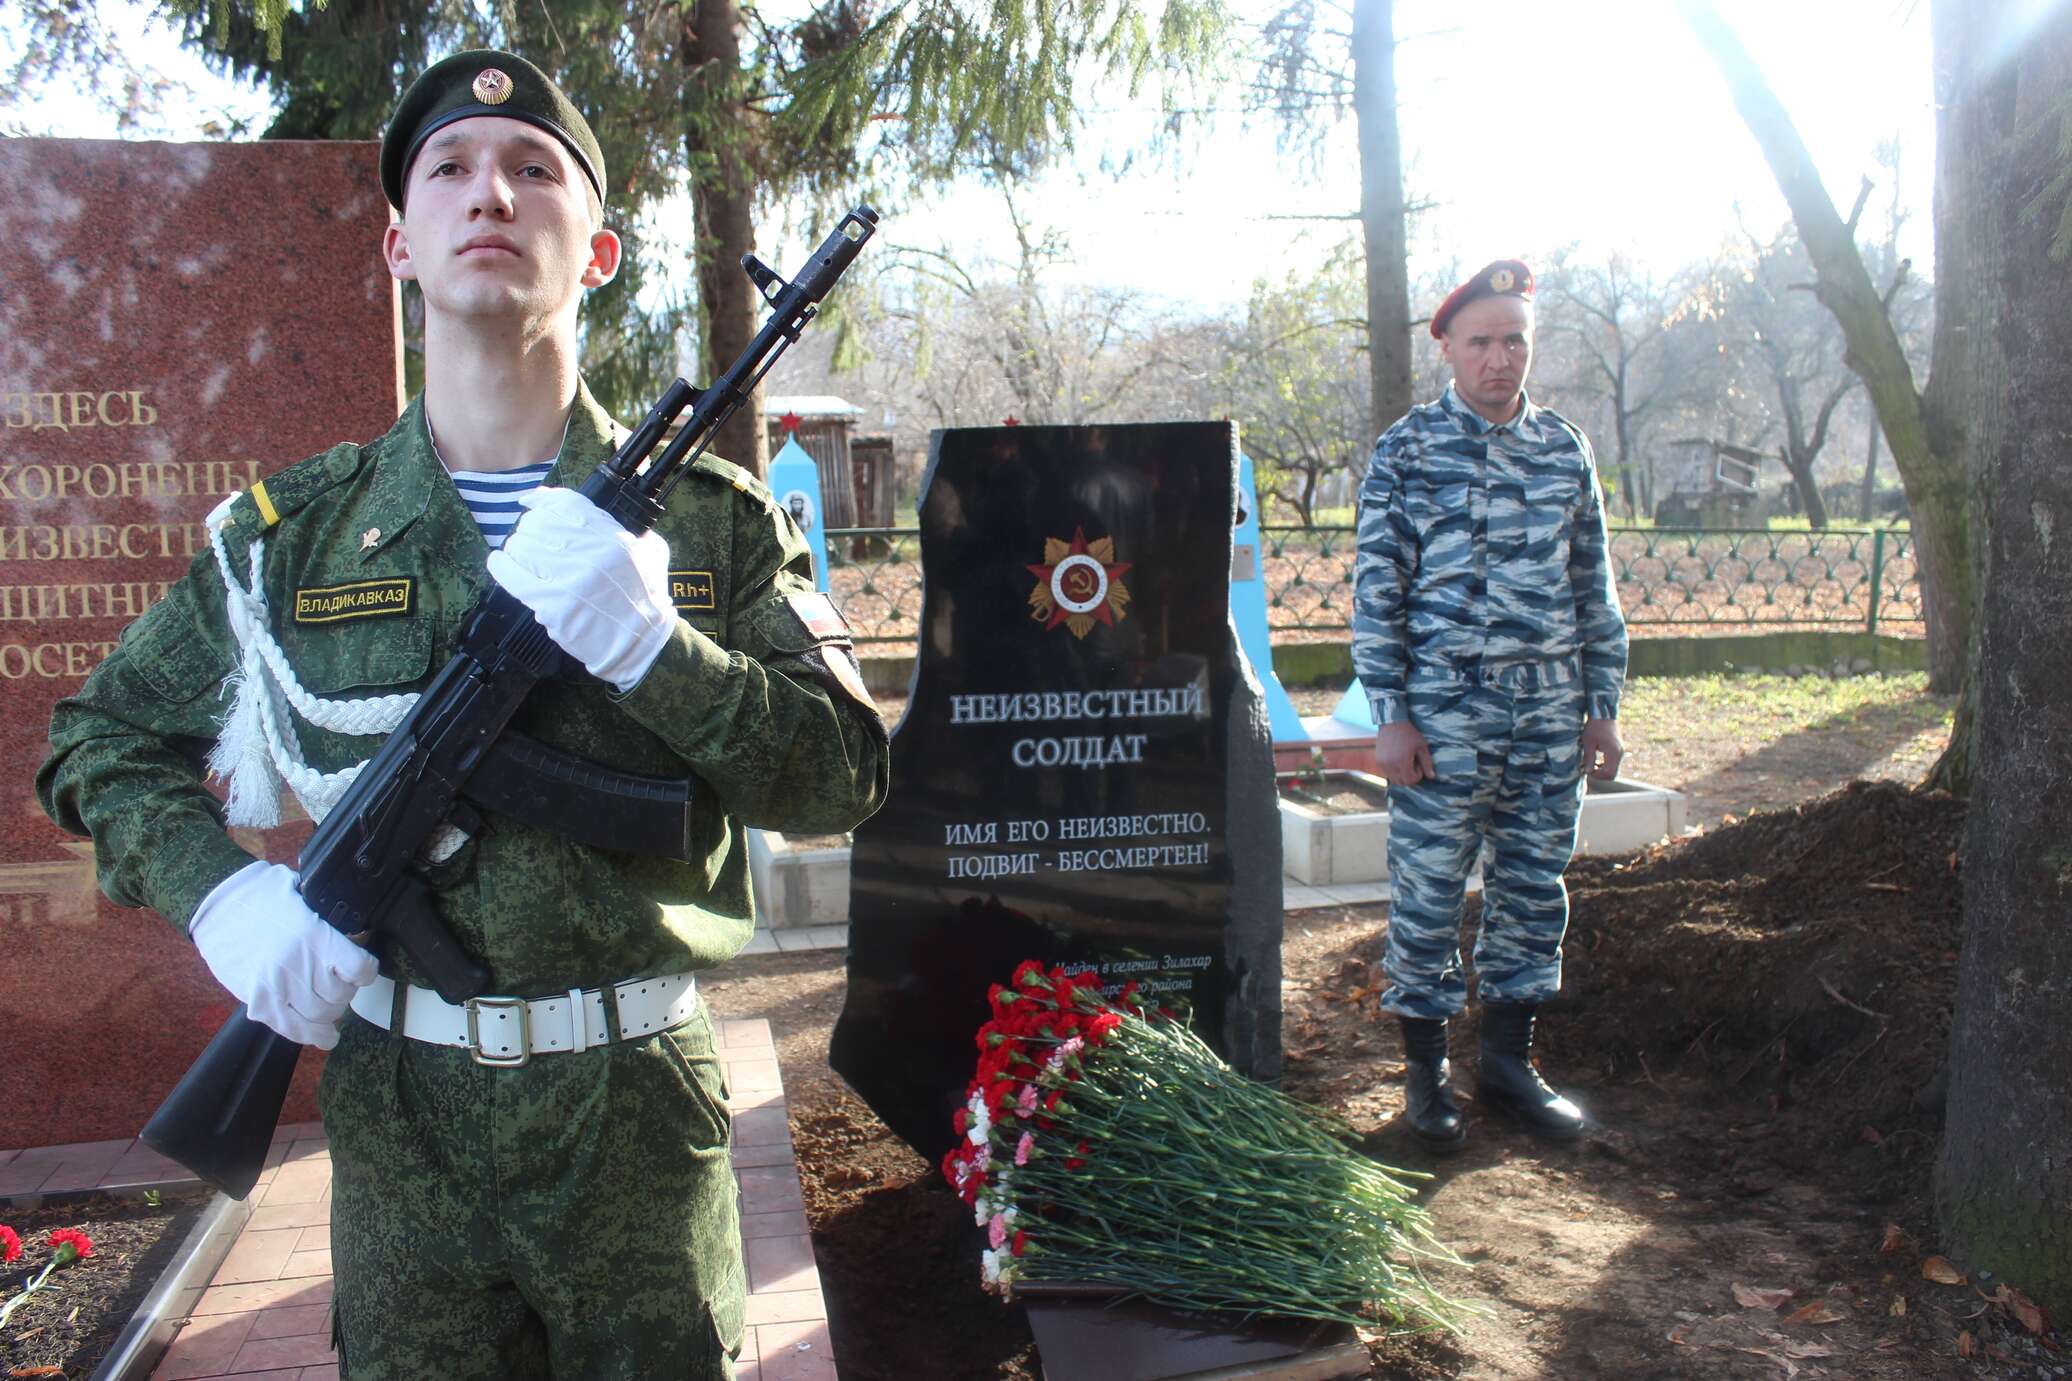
x: 292, y: 972
x: 601, y: 593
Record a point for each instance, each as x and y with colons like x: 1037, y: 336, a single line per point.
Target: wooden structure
x: 1710, y: 484
x: 823, y: 424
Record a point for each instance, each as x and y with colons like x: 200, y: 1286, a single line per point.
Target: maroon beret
x: 1504, y: 277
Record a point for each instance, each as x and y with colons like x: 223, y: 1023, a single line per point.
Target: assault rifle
x: 455, y: 756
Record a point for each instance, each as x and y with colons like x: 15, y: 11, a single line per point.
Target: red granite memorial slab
x: 179, y: 320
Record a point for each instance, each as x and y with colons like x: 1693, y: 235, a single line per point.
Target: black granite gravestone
x: 1084, y: 775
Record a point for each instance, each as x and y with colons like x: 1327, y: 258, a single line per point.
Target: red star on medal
x: 1078, y: 584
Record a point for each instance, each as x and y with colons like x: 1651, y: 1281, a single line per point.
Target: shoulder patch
x: 286, y: 491
x: 817, y: 613
x: 833, y: 651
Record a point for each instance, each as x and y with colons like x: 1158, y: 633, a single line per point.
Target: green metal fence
x: 1671, y: 580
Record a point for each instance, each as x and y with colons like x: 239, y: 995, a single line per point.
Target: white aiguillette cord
x: 257, y: 750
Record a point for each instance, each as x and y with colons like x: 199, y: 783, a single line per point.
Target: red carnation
x: 82, y: 1246
x: 1021, y: 1240
x: 10, y: 1244
x: 1029, y: 974
x: 1074, y: 1162
x: 962, y: 1120
x: 1098, y: 1029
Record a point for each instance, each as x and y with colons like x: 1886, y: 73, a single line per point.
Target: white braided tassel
x: 241, y: 759
x: 258, y: 750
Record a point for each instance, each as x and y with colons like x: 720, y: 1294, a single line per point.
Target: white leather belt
x: 508, y: 1031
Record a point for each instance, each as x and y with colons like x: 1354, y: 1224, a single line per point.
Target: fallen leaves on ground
x: 1819, y: 1311
x: 1939, y: 1270
x: 1755, y: 1297
x: 2023, y: 1309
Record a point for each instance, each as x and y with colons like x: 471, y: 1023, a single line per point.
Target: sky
x: 1528, y: 124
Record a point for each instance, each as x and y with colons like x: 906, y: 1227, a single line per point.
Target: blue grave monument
x: 795, y: 480
x: 1248, y: 606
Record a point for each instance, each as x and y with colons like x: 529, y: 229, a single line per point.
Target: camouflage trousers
x: 574, y: 1217
x: 1506, y: 744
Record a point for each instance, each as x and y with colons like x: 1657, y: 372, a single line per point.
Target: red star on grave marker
x: 1010, y: 421
x: 790, y: 423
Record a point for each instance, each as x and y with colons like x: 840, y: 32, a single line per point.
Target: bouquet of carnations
x: 1100, y: 1146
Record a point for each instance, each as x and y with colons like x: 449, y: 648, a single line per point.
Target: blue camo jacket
x: 1483, y: 544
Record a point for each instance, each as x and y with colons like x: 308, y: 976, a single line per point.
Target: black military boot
x: 1507, y: 1082
x: 1434, y: 1117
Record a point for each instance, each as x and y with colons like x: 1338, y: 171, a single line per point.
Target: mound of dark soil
x: 898, y: 1256
x: 1803, y: 958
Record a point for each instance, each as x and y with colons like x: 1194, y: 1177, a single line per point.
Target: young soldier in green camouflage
x: 540, y: 1185
x: 1487, y: 633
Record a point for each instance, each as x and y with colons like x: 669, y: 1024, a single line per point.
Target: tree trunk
x: 1966, y: 398
x: 2004, y: 1183
x: 1381, y: 210
x: 1933, y: 476
x: 1622, y: 435
x: 1870, y: 475
x: 723, y: 217
x: 1808, y: 488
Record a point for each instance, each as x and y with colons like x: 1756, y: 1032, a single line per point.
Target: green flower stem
x: 1203, y: 1189
x: 65, y: 1256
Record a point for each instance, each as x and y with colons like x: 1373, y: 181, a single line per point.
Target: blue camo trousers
x: 1506, y: 745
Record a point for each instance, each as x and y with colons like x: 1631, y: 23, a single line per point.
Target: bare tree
x: 1296, y: 383
x: 1617, y: 316
x: 1790, y: 342
x: 947, y: 339
x: 1931, y: 428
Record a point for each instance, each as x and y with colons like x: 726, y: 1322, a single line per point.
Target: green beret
x: 483, y: 82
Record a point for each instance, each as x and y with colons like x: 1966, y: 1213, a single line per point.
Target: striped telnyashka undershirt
x: 493, y: 497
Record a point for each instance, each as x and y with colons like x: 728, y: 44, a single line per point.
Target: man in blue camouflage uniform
x: 1487, y: 633
x: 536, y: 1183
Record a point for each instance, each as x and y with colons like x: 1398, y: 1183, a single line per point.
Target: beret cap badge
x: 1499, y: 278
x: 492, y: 87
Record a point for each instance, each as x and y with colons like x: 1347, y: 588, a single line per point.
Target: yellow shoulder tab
x: 268, y: 514
x: 729, y: 473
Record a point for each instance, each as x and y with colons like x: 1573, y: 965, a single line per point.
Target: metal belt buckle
x: 502, y: 1006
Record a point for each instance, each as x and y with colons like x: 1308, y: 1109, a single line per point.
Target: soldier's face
x: 497, y: 224
x: 1489, y: 345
